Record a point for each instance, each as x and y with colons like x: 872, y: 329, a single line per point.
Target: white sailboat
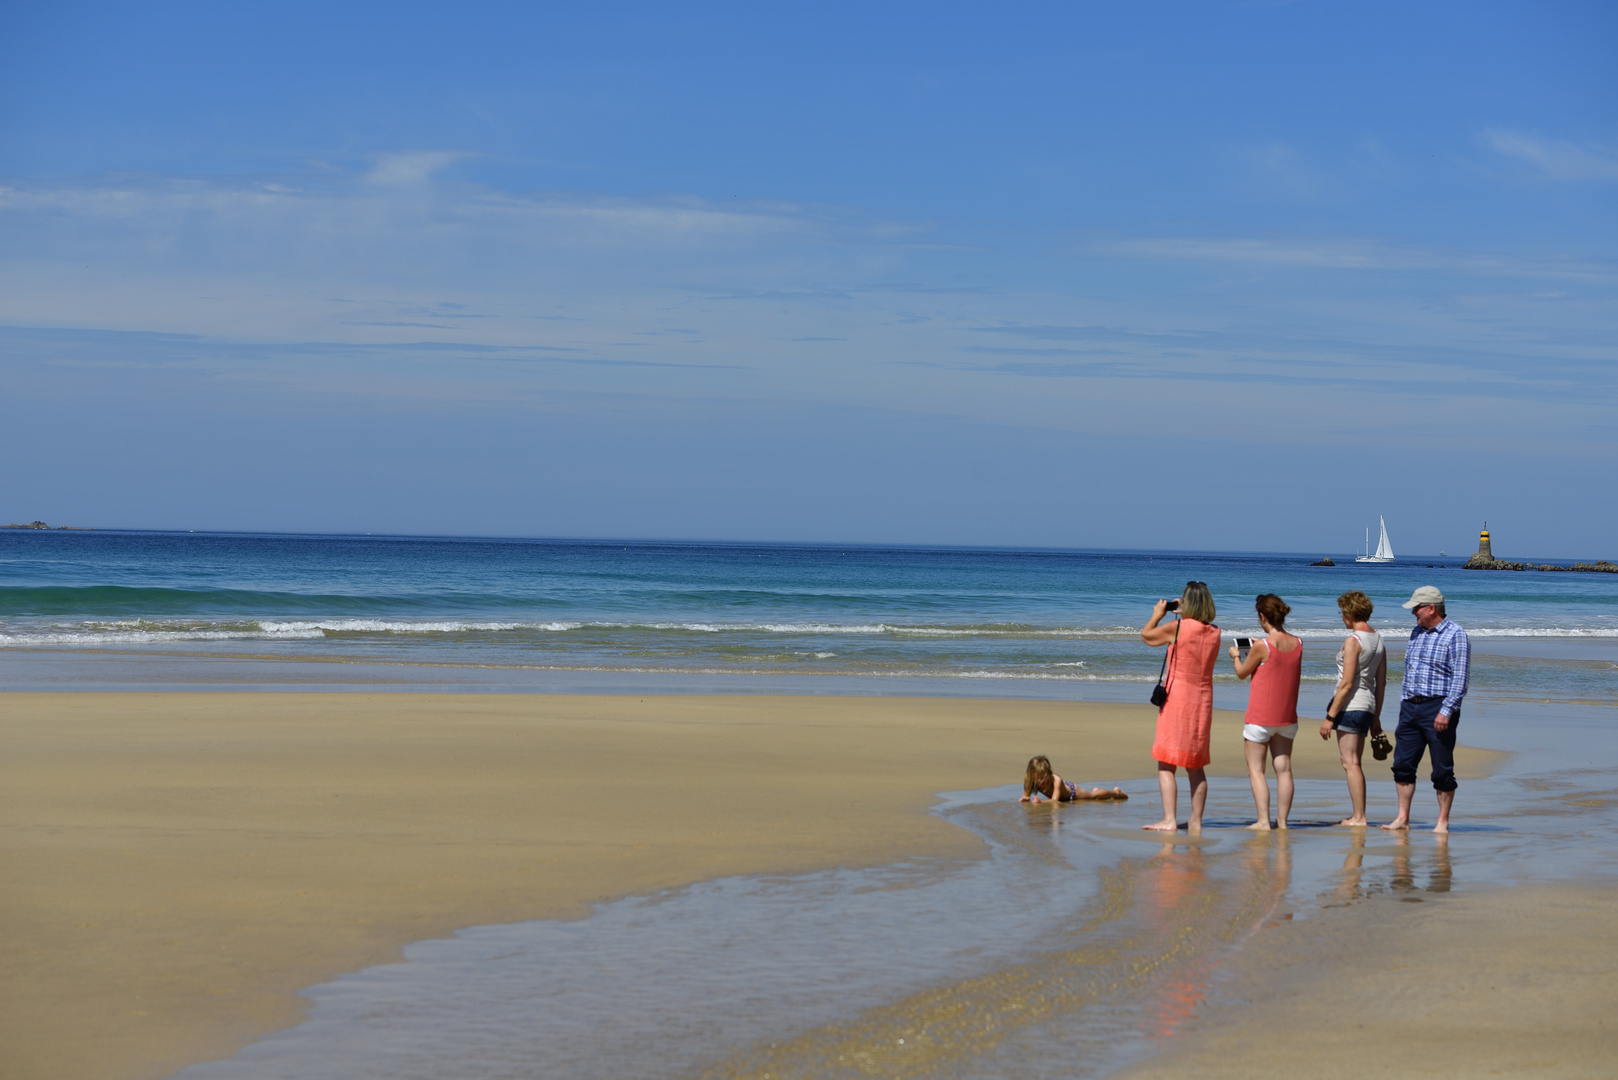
x: 1384, y: 550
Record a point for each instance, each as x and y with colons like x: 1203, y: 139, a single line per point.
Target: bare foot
x: 1398, y: 823
x: 1442, y: 828
x: 1194, y: 828
x: 1281, y: 825
x: 1356, y: 823
x: 1163, y: 826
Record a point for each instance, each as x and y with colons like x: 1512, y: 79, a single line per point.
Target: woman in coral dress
x: 1185, y: 722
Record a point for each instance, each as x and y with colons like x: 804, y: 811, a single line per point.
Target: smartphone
x: 1243, y: 644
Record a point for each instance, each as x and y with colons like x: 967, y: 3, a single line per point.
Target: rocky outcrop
x: 1324, y: 561
x: 1478, y: 562
x: 30, y: 525
x: 1481, y: 561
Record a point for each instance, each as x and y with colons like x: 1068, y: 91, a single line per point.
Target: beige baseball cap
x: 1426, y: 594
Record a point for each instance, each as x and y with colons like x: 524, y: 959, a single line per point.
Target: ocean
x: 119, y: 609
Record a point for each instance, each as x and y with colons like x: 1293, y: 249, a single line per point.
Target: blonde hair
x: 1355, y: 606
x: 1038, y: 777
x: 1197, y: 602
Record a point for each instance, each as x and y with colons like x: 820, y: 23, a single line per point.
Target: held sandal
x: 1380, y: 746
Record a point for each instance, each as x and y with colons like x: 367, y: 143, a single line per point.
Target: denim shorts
x: 1357, y: 722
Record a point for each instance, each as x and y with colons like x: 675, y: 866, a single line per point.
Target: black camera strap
x: 1160, y: 692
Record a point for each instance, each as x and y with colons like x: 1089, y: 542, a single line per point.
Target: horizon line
x: 732, y: 542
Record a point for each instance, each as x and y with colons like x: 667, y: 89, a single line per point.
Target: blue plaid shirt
x: 1438, y: 663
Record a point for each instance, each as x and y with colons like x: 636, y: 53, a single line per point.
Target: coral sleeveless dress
x: 1185, y: 723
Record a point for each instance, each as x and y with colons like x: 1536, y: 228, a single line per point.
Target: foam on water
x: 135, y: 632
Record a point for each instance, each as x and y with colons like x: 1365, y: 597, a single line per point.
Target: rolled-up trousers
x: 1415, y: 735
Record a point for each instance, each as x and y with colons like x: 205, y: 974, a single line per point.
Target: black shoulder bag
x: 1160, y: 692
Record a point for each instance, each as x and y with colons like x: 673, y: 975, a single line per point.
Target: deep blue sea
x: 127, y: 607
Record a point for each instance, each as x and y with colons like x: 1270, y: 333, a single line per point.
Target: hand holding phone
x: 1242, y: 646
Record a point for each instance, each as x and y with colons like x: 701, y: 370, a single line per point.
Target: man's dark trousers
x: 1416, y: 734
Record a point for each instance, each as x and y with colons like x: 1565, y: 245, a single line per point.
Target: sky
x: 1216, y: 275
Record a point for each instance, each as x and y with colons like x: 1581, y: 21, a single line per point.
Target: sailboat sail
x: 1384, y: 550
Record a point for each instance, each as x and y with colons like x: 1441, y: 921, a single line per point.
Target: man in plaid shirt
x: 1438, y: 664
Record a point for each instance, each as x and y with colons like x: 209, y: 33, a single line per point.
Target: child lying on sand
x: 1040, y: 780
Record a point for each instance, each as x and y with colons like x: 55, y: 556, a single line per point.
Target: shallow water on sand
x: 1078, y: 944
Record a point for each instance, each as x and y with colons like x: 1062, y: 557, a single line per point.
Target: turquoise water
x: 128, y: 607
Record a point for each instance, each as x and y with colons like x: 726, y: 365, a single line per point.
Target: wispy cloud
x: 1556, y: 159
x: 570, y: 292
x: 412, y: 167
x: 139, y: 251
x: 144, y: 349
x: 260, y: 205
x: 1349, y: 254
x: 1281, y: 169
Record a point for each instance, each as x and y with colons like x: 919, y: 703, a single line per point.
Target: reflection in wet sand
x: 1137, y: 963
x: 1267, y: 864
x: 1348, y: 888
x: 1439, y: 875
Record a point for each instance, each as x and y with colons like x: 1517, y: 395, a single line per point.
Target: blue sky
x: 1172, y: 275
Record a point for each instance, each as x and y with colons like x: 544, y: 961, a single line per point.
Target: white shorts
x: 1259, y: 734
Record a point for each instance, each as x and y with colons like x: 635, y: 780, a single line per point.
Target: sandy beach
x: 178, y: 866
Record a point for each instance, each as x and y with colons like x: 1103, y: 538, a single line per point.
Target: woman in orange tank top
x: 1185, y: 722
x: 1276, y: 665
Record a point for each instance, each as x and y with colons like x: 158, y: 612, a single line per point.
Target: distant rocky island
x: 1485, y: 560
x: 1600, y: 566
x: 42, y: 525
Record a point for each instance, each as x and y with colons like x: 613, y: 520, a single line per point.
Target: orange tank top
x: 1273, y: 700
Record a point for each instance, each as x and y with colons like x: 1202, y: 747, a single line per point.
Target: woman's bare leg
x: 1281, y: 753
x: 1168, y: 786
x: 1351, y: 750
x: 1199, y: 799
x: 1261, y: 786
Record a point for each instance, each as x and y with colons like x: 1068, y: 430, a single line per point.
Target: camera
x: 1172, y: 605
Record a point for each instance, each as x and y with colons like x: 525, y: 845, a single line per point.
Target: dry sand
x: 175, y: 867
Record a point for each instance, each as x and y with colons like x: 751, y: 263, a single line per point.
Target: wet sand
x: 1507, y: 982
x: 177, y: 866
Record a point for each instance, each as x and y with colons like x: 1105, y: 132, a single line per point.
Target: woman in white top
x: 1355, y: 710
